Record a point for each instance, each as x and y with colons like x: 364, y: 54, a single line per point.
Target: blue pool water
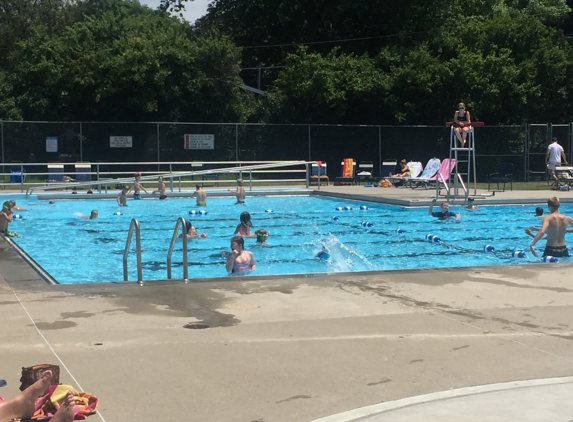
x: 74, y: 250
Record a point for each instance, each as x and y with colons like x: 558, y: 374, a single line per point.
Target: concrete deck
x: 403, y: 345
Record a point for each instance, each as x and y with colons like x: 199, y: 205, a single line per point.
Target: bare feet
x: 66, y: 411
x: 22, y: 405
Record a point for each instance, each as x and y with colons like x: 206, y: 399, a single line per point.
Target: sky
x: 193, y: 9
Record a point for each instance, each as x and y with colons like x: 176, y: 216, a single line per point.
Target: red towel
x: 348, y: 167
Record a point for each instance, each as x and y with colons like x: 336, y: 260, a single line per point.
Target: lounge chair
x: 347, y: 171
x: 364, y: 171
x: 565, y: 176
x: 318, y: 173
x: 55, y: 172
x: 415, y: 170
x: 432, y: 168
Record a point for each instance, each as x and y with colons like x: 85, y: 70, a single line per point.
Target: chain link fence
x: 28, y: 142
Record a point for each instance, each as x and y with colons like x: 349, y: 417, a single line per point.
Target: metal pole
x: 81, y: 144
x: 309, y: 151
x: 158, y: 153
x: 379, y: 149
x: 236, y: 142
x: 2, y: 130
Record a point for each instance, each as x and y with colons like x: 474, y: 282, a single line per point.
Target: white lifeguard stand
x: 464, y: 173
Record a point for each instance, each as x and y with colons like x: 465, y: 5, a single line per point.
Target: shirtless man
x: 240, y: 192
x: 160, y: 188
x: 22, y: 405
x: 93, y: 215
x: 201, y: 196
x: 137, y: 188
x: 555, y: 225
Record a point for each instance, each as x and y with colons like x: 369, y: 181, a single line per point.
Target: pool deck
x: 467, y: 344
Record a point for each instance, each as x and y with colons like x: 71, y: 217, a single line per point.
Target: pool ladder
x: 134, y: 226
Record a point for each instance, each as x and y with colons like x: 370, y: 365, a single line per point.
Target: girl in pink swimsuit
x: 239, y: 261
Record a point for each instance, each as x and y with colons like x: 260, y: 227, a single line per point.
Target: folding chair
x: 83, y: 171
x: 504, y: 174
x: 364, y: 171
x: 565, y: 176
x: 318, y: 173
x: 55, y: 172
x: 347, y: 171
x: 17, y: 172
x: 442, y: 176
x: 430, y: 170
x: 388, y: 167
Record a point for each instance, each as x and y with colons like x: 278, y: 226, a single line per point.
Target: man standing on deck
x: 553, y: 158
x: 555, y: 225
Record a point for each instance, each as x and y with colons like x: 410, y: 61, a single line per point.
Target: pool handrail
x: 180, y: 222
x: 134, y: 225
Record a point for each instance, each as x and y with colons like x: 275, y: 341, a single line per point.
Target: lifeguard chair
x: 465, y: 170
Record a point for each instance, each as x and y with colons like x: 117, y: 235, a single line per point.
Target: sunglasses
x: 461, y: 108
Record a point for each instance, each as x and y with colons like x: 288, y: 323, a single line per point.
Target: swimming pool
x: 363, y: 237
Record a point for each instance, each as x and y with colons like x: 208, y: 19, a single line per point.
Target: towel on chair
x: 348, y: 167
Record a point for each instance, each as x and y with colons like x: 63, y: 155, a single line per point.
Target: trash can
x: 16, y: 176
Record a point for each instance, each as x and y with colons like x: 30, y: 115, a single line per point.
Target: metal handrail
x: 134, y: 225
x: 180, y: 222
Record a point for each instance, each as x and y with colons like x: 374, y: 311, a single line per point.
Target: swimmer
x: 22, y: 405
x: 160, y: 188
x: 16, y: 207
x: 445, y: 213
x: 201, y: 196
x: 137, y: 187
x: 239, y: 261
x: 262, y: 236
x: 471, y: 206
x: 5, y: 219
x: 192, y: 231
x: 555, y: 225
x: 538, y: 212
x: 122, y: 197
x: 244, y: 227
x: 93, y: 215
x: 240, y: 192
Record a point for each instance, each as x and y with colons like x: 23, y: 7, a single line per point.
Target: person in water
x: 160, y: 188
x: 201, y: 196
x: 244, y: 227
x: 240, y: 192
x: 555, y: 225
x: 445, y: 212
x: 192, y: 231
x: 239, y: 261
x: 262, y: 236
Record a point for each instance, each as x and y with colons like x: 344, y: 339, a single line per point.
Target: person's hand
x: 528, y: 231
x: 533, y: 251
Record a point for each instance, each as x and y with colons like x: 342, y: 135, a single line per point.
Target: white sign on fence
x: 51, y: 144
x: 199, y: 141
x: 120, y: 141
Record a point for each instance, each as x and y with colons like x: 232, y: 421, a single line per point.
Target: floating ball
x: 202, y: 212
x: 323, y: 255
x: 335, y: 218
x: 363, y: 207
x: 192, y: 212
x: 347, y: 208
x: 488, y: 248
x: 17, y: 217
x: 518, y: 254
x: 367, y: 224
x: 269, y: 210
x: 433, y: 238
x: 118, y: 213
x: 399, y: 230
x: 338, y: 208
x: 549, y: 258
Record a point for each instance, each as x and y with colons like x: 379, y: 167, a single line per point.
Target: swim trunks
x: 136, y: 196
x: 202, y: 205
x: 162, y: 196
x: 555, y: 251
